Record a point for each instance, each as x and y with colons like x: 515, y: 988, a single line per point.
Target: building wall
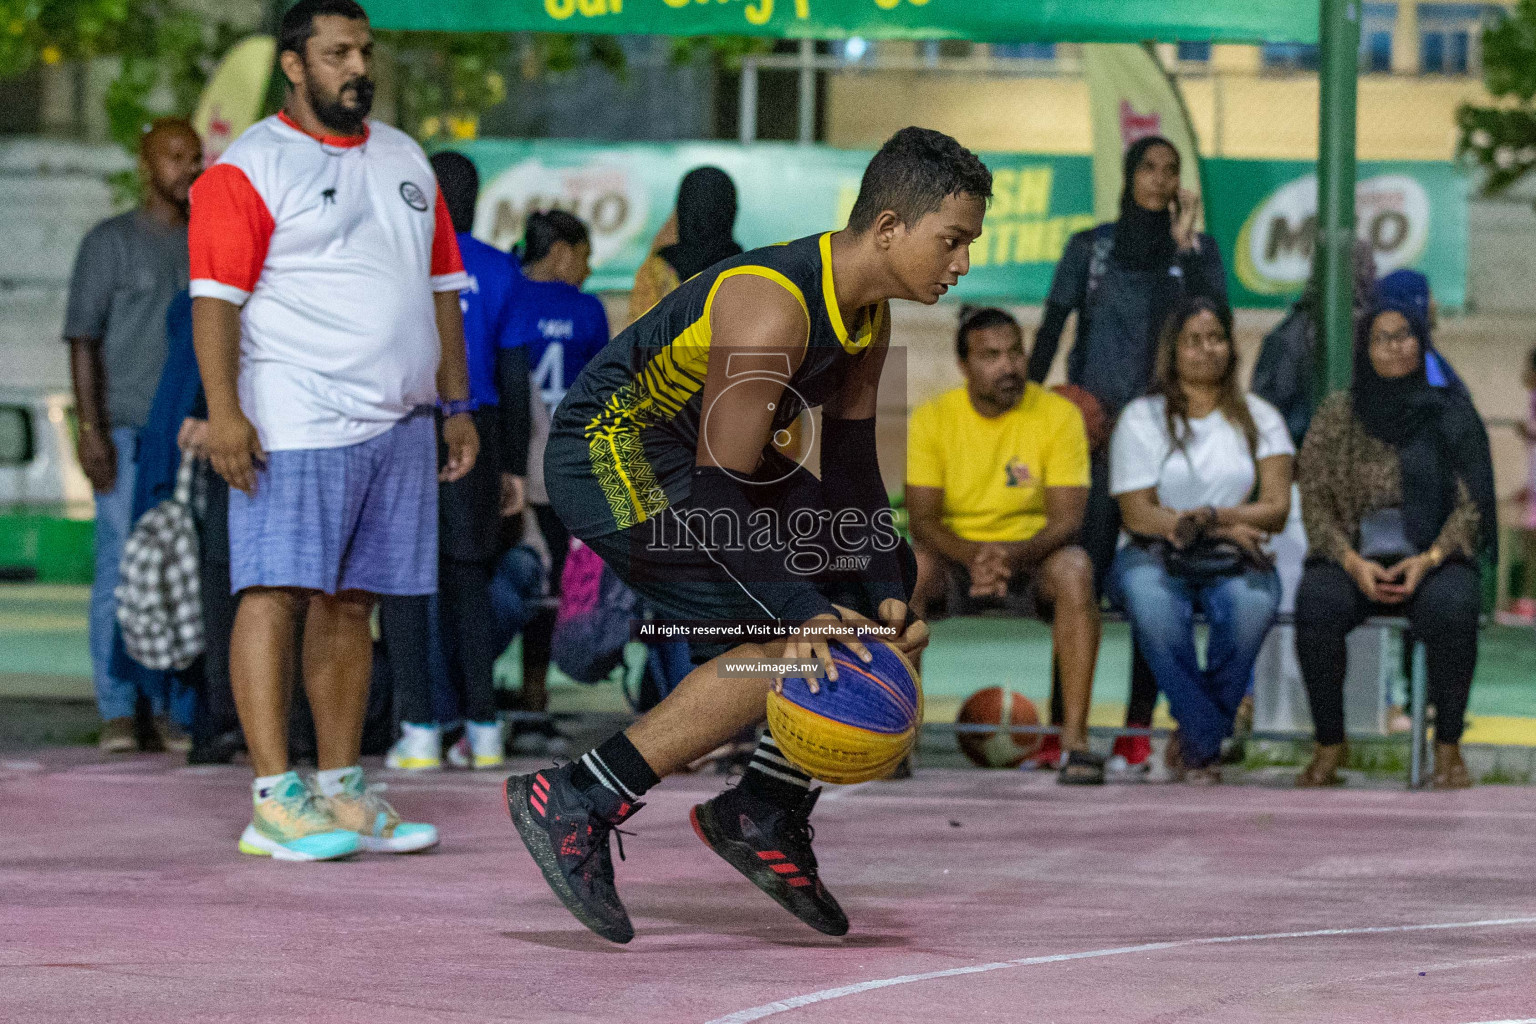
x: 1235, y: 115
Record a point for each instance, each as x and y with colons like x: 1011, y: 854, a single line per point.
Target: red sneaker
x: 1131, y: 753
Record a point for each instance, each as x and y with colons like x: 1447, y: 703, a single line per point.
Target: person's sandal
x: 1324, y: 768
x: 1081, y: 768
x: 1450, y: 770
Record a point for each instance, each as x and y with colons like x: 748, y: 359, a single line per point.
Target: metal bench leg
x: 1419, y: 743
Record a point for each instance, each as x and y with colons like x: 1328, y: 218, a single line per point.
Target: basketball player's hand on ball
x: 234, y: 448
x: 911, y: 637
x: 815, y: 640
x: 463, y: 447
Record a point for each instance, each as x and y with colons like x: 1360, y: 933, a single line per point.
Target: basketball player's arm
x: 453, y: 386
x: 850, y: 479
x: 755, y: 325
x: 233, y: 444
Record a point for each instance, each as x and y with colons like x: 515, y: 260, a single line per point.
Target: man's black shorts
x: 683, y: 581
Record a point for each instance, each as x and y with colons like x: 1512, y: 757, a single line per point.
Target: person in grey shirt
x: 127, y: 271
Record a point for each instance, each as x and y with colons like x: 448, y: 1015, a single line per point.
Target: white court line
x: 1522, y: 1020
x: 795, y: 1002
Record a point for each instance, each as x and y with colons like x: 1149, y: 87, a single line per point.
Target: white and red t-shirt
x: 332, y: 247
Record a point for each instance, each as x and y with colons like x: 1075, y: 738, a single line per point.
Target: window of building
x: 1449, y: 36
x: 1194, y: 52
x: 1445, y: 53
x: 1377, y: 52
x: 1290, y: 56
x: 1024, y: 51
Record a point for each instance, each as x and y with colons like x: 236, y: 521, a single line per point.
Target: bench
x: 1278, y: 694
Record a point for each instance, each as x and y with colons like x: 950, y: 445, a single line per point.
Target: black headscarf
x: 1143, y: 238
x: 706, y: 214
x: 1439, y: 437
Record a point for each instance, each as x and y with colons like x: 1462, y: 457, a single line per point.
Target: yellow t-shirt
x: 994, y: 472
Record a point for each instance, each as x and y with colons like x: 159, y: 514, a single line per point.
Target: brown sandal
x: 1324, y: 767
x: 1450, y: 770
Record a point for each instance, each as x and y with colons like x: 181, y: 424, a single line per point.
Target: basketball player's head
x: 459, y: 183
x: 170, y: 159
x: 326, y: 51
x: 920, y: 205
x: 990, y: 347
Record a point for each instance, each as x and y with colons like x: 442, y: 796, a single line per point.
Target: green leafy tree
x: 1502, y: 138
x: 42, y: 32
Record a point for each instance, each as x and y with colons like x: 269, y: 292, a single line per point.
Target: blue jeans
x: 516, y: 587
x: 1161, y: 607
x: 115, y: 696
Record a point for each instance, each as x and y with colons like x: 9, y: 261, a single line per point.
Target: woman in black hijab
x: 1398, y: 499
x: 705, y: 217
x: 1123, y: 279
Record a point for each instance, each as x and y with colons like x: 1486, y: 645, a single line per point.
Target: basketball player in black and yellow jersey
x: 662, y: 458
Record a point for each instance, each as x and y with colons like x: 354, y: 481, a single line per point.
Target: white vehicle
x: 38, y: 468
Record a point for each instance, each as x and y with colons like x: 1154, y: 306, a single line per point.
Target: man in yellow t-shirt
x: 997, y: 482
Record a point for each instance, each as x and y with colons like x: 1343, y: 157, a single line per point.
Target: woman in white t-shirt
x: 1203, y: 476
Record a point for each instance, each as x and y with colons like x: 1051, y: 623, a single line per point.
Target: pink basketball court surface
x: 974, y: 896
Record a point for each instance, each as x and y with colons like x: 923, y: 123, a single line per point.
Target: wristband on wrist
x: 456, y: 407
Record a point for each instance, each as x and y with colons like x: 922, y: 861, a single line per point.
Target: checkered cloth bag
x: 159, y: 600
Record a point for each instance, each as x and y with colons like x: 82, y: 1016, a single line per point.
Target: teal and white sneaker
x: 294, y: 824
x: 360, y: 807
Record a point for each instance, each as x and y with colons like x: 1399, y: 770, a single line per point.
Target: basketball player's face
x: 335, y: 75
x: 995, y: 365
x: 930, y: 257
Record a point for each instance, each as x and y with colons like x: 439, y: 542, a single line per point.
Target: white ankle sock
x: 262, y: 786
x: 329, y: 780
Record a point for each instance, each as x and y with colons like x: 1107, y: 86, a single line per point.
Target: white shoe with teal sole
x: 360, y: 807
x: 293, y: 824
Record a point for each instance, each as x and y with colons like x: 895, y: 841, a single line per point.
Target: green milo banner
x: 1003, y: 21
x: 1262, y: 213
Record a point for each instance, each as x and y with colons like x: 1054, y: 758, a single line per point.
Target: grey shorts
x: 362, y: 517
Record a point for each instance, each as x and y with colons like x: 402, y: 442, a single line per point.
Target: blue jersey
x: 486, y: 304
x: 563, y: 329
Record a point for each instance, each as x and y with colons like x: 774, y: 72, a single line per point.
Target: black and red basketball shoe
x: 567, y: 829
x: 771, y: 845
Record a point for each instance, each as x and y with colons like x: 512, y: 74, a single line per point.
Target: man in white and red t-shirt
x: 325, y: 280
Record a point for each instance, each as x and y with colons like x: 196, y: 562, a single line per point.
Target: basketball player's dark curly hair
x: 1233, y: 404
x: 912, y: 175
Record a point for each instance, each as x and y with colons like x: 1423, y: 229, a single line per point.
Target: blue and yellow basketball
x: 856, y: 728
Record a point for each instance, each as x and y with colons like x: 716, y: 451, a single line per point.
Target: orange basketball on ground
x: 998, y: 748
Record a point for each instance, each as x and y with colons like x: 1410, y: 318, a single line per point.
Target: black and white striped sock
x: 617, y: 766
x: 772, y: 777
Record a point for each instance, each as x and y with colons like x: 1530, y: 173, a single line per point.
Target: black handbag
x: 1208, y: 558
x: 1384, y: 537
